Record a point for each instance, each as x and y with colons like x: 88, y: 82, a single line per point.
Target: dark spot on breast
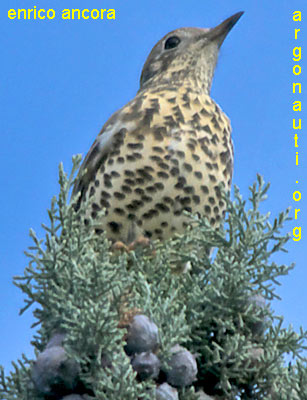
x: 174, y: 171
x: 156, y: 158
x: 187, y: 167
x: 115, y: 226
x: 120, y: 160
x: 159, y: 185
x: 140, y: 181
x: 172, y: 100
x: 180, y: 154
x: 216, y: 210
x: 224, y: 156
x: 162, y: 207
x: 130, y: 158
x: 96, y: 207
x: 196, y: 199
x: 119, y: 196
x: 159, y: 133
x: 129, y: 182
x: 188, y: 189
x: 198, y: 174
x: 150, y: 214
x: 92, y: 191
x: 215, y: 139
x: 110, y: 161
x: 158, y: 231
x: 217, y: 192
x: 204, y: 112
x: 128, y: 172
x: 119, y: 211
x: 207, y: 209
x: 146, y: 199
x: 115, y: 174
x: 139, y: 191
x: 196, y: 157
x: 162, y: 175
x: 107, y: 183
x: 97, y: 183
x: 94, y: 214
x: 215, y: 123
x: 158, y: 149
x: 151, y: 189
x: 185, y: 200
x: 178, y: 114
x: 104, y: 203
x: 204, y: 140
x: 206, y: 128
x: 105, y: 194
x: 211, y: 200
x: 163, y: 166
x: 168, y: 200
x: 206, y: 150
x: 212, y: 178
x: 205, y: 189
x: 126, y: 189
x: 134, y: 205
x: 169, y: 121
x: 144, y: 174
x: 135, y: 146
x: 174, y: 161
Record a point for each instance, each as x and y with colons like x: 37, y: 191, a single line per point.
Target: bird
x: 167, y: 151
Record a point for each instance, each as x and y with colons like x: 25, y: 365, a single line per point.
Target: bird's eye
x: 172, y: 42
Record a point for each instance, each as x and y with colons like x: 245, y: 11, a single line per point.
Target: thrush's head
x: 186, y: 55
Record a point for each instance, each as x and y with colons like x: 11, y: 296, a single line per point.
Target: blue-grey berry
x: 142, y: 335
x: 166, y: 392
x: 147, y: 365
x: 53, y: 373
x: 182, y: 369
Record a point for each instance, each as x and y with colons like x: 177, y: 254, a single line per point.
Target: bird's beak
x: 220, y: 32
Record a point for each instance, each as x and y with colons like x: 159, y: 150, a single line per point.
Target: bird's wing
x: 110, y: 136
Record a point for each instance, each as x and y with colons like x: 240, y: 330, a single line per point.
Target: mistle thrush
x: 169, y: 149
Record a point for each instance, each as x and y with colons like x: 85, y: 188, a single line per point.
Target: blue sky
x: 61, y: 80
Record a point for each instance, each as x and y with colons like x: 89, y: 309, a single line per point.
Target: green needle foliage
x: 78, y: 285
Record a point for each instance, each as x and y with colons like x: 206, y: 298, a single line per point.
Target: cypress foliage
x: 85, y: 297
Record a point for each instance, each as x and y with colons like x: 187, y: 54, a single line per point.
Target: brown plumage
x: 168, y: 149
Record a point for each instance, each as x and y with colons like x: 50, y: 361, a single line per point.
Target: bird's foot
x: 140, y: 242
